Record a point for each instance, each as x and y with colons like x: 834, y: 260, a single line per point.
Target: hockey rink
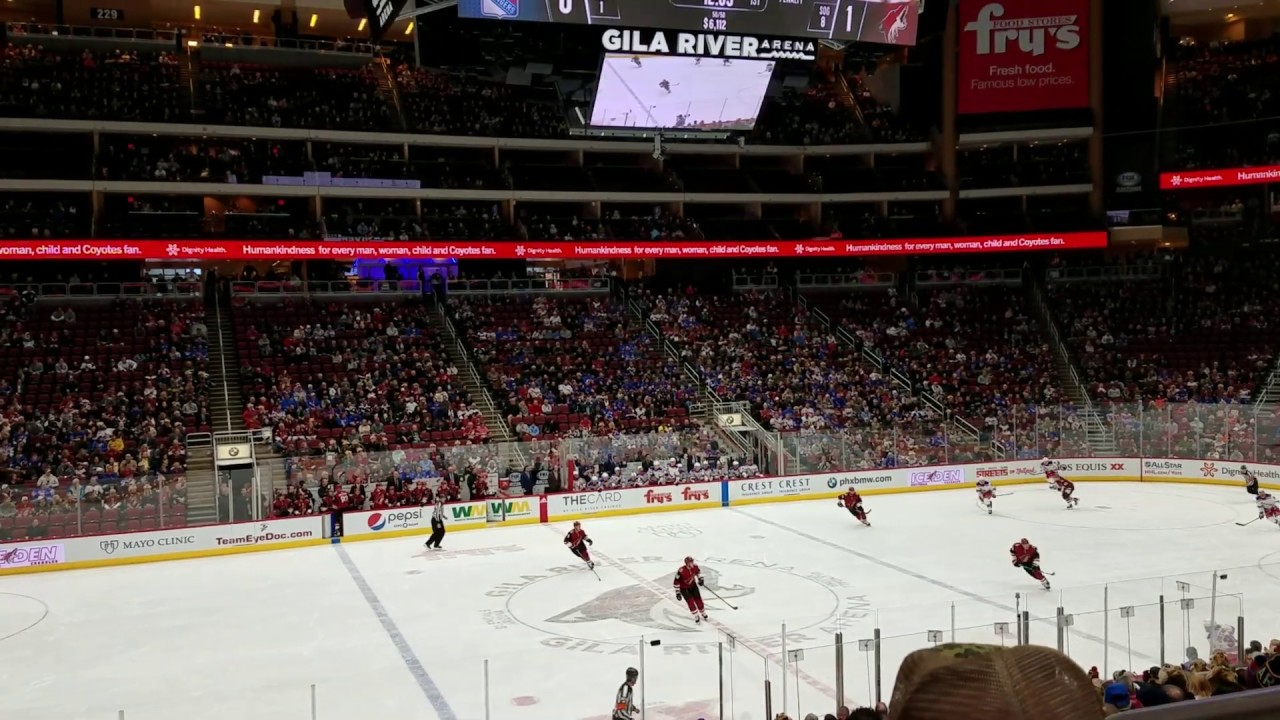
x: 699, y: 91
x: 386, y: 630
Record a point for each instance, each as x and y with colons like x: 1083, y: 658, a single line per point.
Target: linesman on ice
x: 624, y: 707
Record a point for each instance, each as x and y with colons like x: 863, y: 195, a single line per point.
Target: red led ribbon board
x: 1188, y: 179
x: 1023, y: 55
x: 195, y: 250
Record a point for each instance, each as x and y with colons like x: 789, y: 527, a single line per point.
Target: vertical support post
x: 1240, y: 635
x: 840, y: 667
x: 768, y: 698
x: 1213, y: 614
x: 1162, y: 648
x: 953, y: 621
x: 1106, y: 630
x: 1025, y: 621
x: 784, y: 667
x: 1017, y: 617
x: 877, y: 651
x: 642, y: 697
x: 1061, y: 630
x: 720, y: 653
x: 486, y: 689
x: 120, y: 716
x: 315, y: 711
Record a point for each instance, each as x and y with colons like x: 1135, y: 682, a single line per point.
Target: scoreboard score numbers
x: 892, y: 22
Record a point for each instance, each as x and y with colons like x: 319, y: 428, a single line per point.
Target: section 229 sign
x: 1023, y: 55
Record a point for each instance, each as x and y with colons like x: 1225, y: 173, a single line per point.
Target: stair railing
x: 1092, y: 417
x: 470, y: 368
x: 222, y: 357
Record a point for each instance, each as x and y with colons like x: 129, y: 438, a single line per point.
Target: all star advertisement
x: 123, y: 548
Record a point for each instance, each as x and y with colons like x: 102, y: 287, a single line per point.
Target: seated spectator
x: 572, y: 364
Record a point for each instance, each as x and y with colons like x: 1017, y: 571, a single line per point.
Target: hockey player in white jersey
x: 986, y: 493
x: 1059, y: 484
x: 1268, y: 507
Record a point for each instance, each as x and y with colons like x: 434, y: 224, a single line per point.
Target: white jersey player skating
x: 1057, y: 483
x: 986, y: 493
x: 1268, y: 507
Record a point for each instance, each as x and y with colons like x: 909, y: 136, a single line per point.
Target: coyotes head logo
x: 639, y: 606
x: 895, y: 21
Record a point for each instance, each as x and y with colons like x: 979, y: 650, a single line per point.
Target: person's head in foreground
x: 980, y: 682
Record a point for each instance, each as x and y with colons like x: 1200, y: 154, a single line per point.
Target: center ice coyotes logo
x: 638, y: 606
x: 578, y: 614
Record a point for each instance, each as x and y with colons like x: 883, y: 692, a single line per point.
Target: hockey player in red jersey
x: 1059, y: 483
x: 577, y: 541
x: 688, y: 579
x: 852, y: 501
x: 1026, y: 556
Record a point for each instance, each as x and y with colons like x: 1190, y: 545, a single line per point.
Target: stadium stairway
x: 201, y: 487
x: 1098, y: 432
x: 388, y: 91
x: 471, y: 379
x: 226, y: 396
x: 499, y: 430
x: 188, y: 72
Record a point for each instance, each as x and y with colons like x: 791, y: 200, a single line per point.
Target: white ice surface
x: 245, y: 637
x: 710, y: 91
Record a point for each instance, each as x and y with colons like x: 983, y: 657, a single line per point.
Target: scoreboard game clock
x: 892, y: 22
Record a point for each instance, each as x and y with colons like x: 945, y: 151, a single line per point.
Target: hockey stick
x: 717, y: 596
x: 1244, y: 524
x: 1004, y: 494
x: 593, y: 572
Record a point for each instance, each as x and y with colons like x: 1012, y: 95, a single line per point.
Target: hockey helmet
x: 688, y: 560
x: 632, y: 673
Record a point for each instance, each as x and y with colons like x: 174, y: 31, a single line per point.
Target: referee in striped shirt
x: 623, y: 707
x: 437, y: 526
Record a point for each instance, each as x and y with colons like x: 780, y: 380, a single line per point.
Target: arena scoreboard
x: 892, y: 22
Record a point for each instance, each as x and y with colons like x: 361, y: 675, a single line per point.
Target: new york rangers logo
x: 500, y: 8
x: 895, y: 21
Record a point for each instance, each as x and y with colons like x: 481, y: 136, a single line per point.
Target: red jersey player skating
x: 852, y: 501
x: 577, y: 541
x: 1026, y: 556
x: 688, y: 578
x: 1059, y: 483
